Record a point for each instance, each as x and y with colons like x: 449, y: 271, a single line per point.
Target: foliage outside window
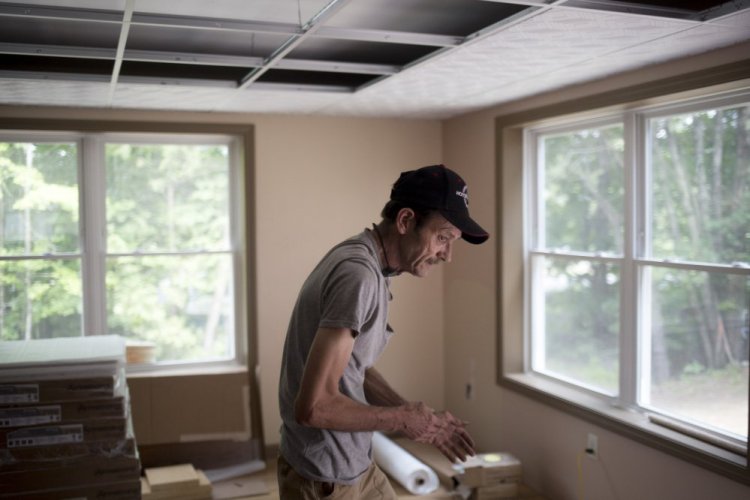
x: 120, y: 234
x: 638, y: 253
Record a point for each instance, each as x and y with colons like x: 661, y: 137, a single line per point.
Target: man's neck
x: 387, y: 251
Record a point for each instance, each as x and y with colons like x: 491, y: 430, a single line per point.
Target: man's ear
x: 405, y: 220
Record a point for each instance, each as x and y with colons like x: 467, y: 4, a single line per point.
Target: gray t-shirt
x: 345, y: 290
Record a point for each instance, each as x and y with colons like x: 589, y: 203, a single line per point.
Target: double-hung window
x: 119, y: 233
x: 637, y: 265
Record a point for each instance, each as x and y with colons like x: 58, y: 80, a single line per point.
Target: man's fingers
x: 466, y: 442
x: 447, y: 452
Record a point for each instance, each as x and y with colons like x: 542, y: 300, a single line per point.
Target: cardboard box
x: 70, y: 473
x: 200, y: 489
x: 45, y: 391
x: 109, y: 429
x: 129, y: 490
x: 18, y: 415
x: 487, y: 469
x: 172, y: 478
x: 37, y: 456
x: 500, y: 490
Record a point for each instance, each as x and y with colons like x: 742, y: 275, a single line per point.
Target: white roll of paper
x: 416, y: 477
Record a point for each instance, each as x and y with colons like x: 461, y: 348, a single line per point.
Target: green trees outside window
x: 160, y: 248
x: 40, y: 255
x: 640, y: 238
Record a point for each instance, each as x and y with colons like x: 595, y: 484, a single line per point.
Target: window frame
x: 513, y: 290
x: 91, y: 137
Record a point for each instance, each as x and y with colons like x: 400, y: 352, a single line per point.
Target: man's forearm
x: 341, y: 413
x: 416, y: 420
x: 378, y: 392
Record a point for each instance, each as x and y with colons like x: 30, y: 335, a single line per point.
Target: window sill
x: 630, y: 424
x: 157, y: 371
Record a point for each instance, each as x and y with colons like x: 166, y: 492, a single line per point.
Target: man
x: 331, y: 398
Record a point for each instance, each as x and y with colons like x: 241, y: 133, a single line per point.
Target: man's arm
x: 321, y: 404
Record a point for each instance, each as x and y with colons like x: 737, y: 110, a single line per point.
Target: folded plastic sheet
x: 415, y: 476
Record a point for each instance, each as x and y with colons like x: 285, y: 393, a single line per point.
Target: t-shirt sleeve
x: 349, y: 297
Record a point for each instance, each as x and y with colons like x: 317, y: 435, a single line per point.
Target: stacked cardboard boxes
x: 65, y: 426
x: 175, y: 482
x: 491, y: 475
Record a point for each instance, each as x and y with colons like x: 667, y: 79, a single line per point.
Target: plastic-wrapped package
x: 65, y: 420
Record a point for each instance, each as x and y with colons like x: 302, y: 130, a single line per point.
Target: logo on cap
x: 465, y: 195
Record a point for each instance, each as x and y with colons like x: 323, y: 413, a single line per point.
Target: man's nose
x: 445, y: 254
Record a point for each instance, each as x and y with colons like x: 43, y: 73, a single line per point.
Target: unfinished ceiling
x: 404, y: 58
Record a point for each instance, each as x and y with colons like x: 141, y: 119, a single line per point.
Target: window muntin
x: 666, y: 258
x: 161, y: 248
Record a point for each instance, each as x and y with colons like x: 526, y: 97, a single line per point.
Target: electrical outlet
x: 469, y: 388
x: 592, y: 446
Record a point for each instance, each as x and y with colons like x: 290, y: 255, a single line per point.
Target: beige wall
x: 546, y: 440
x: 318, y: 181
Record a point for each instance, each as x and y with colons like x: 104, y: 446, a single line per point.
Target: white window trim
x: 92, y: 251
x: 513, y: 338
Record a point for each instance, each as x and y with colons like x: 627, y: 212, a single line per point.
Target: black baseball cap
x: 440, y: 188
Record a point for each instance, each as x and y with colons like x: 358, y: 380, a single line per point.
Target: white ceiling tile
x: 524, y: 56
x: 53, y: 92
x: 280, y: 101
x: 177, y: 97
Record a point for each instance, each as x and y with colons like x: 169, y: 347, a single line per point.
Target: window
x: 575, y: 260
x: 626, y: 245
x: 121, y: 233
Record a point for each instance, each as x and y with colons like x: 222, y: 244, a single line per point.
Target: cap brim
x: 470, y: 230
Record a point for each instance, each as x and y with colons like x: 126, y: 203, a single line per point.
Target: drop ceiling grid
x: 554, y: 47
x: 282, y: 11
x: 736, y: 20
x: 277, y: 11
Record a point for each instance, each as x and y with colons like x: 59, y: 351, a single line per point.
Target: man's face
x: 426, y: 246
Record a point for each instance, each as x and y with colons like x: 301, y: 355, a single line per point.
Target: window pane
x: 181, y: 303
x: 701, y: 185
x: 40, y: 299
x: 699, y: 347
x: 583, y: 185
x: 38, y: 198
x: 167, y: 197
x: 581, y: 321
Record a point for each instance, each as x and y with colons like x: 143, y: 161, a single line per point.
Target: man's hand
x: 441, y: 429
